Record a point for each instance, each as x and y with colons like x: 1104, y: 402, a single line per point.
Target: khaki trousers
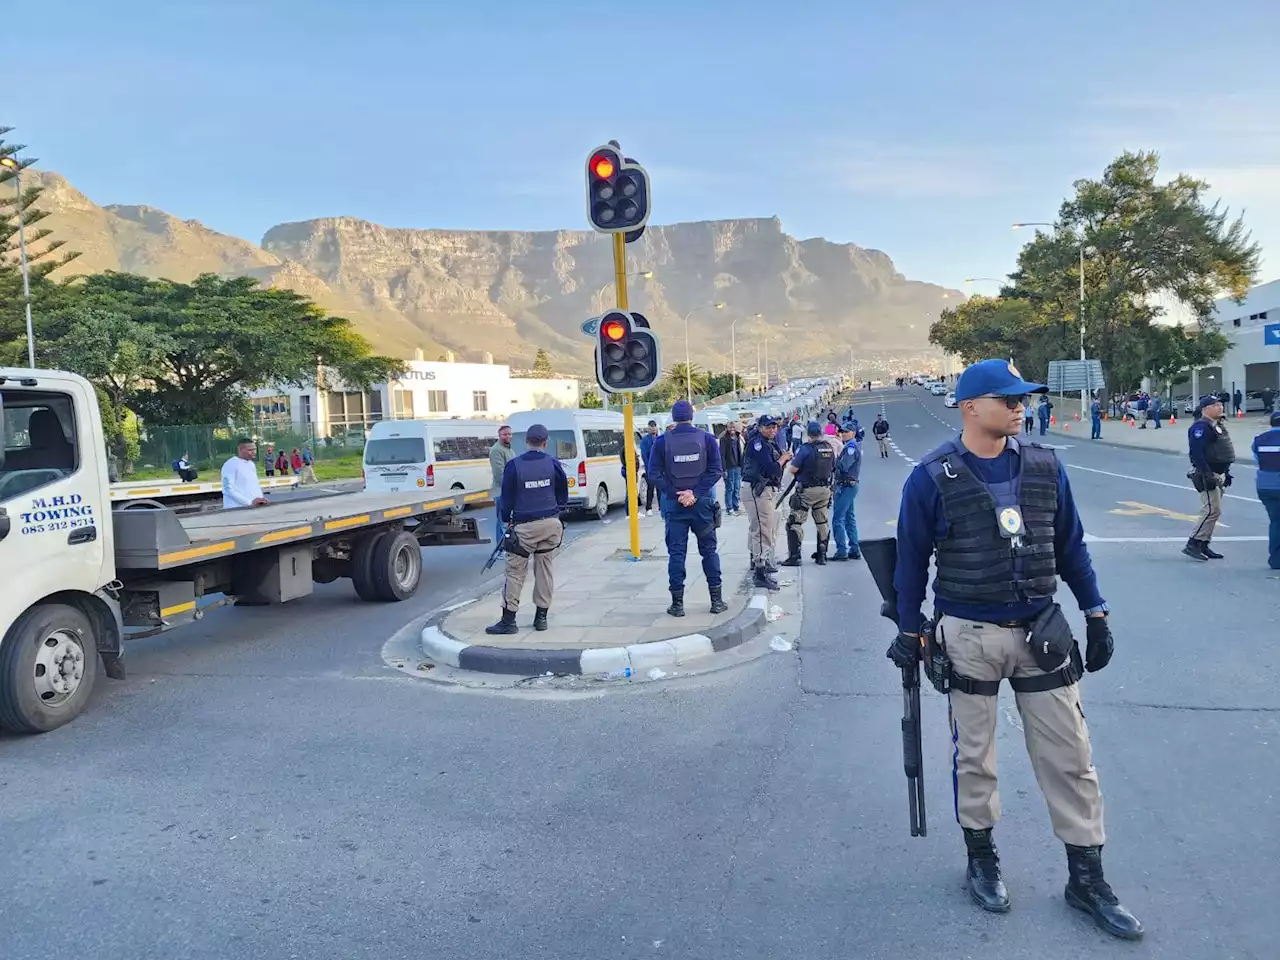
x: 884, y: 444
x: 762, y: 524
x: 543, y: 534
x: 1210, y: 513
x: 1053, y: 726
x: 816, y: 499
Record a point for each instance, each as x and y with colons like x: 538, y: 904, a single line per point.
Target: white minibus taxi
x: 588, y: 444
x: 436, y: 455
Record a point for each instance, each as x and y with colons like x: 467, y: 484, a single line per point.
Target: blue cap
x: 1209, y: 400
x: 536, y: 432
x: 682, y: 412
x: 998, y: 378
x: 814, y: 429
x: 766, y: 421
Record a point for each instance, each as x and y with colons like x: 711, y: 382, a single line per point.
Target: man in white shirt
x: 240, y: 486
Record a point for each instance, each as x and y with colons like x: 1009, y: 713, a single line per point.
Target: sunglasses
x: 1013, y: 403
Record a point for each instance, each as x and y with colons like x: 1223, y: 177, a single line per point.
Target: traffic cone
x: 1067, y: 426
x: 1053, y: 418
x: 1077, y: 416
x: 1173, y: 420
x: 1239, y: 414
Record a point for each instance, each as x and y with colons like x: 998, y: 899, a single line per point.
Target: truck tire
x: 362, y: 565
x: 397, y: 566
x: 48, y: 664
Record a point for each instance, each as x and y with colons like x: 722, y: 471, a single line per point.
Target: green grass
x: 346, y: 467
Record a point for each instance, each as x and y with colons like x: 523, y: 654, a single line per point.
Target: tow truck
x: 79, y: 577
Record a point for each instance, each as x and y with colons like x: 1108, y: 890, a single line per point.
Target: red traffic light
x: 613, y: 329
x: 602, y: 166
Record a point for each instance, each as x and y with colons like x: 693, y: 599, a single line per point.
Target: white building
x: 1253, y: 360
x: 427, y: 389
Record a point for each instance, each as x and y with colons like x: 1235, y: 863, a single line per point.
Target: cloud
x: 1257, y: 184
x: 906, y: 173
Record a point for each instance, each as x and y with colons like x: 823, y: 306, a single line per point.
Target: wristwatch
x: 1100, y: 608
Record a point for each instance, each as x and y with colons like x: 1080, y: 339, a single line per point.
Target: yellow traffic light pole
x: 628, y: 410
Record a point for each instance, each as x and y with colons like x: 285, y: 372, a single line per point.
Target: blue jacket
x: 646, y: 446
x: 1268, y: 445
x: 921, y: 523
x: 849, y: 464
x: 656, y: 466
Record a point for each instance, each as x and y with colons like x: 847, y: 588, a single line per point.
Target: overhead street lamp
x: 775, y: 336
x: 688, y: 372
x: 733, y: 336
x: 983, y: 280
x: 12, y: 163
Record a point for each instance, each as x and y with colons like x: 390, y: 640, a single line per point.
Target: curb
x: 1115, y: 444
x: 672, y: 652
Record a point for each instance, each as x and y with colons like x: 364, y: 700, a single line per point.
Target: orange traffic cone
x: 1053, y: 418
x: 1239, y: 414
x: 1173, y: 420
x: 1067, y: 426
x: 1077, y: 416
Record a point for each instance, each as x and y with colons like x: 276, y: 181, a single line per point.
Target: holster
x: 1197, y: 480
x: 758, y: 488
x: 1049, y: 639
x: 717, y: 514
x: 937, y: 665
x: 511, y: 542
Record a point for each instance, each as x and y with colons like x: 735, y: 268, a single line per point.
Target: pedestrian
x: 812, y: 468
x: 797, y: 434
x: 1269, y: 400
x: 240, y: 486
x: 500, y: 454
x: 282, y: 463
x: 646, y: 447
x: 1045, y: 410
x: 308, y: 464
x: 1157, y: 408
x: 295, y: 463
x: 1212, y: 453
x: 1095, y: 416
x: 184, y: 469
x: 763, y: 461
x: 880, y: 430
x: 731, y: 458
x: 1000, y: 522
x: 535, y: 491
x: 685, y: 465
x: 1028, y: 419
x: 1266, y: 453
x: 1237, y: 401
x: 845, y: 486
x: 269, y: 464
x: 622, y: 462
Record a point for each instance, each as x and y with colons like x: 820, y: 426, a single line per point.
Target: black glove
x: 904, y: 651
x: 1100, y: 645
x: 1226, y: 481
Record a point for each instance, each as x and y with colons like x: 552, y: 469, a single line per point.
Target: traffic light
x: 617, y: 192
x: 626, y: 353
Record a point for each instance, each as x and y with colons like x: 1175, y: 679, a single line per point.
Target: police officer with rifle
x: 762, y: 463
x: 999, y: 518
x: 812, y: 468
x: 535, y: 491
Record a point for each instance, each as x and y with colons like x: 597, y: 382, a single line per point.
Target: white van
x: 588, y: 444
x: 437, y: 455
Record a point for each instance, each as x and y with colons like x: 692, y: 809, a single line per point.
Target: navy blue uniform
x: 687, y: 458
x: 760, y: 459
x: 533, y: 489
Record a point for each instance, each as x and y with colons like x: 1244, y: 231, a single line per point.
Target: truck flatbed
x: 163, y: 540
x: 160, y: 489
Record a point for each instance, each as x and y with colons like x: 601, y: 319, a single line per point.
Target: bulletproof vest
x: 686, y: 453
x: 1219, y: 451
x: 750, y: 463
x: 844, y: 465
x: 1269, y: 450
x: 535, y: 487
x: 976, y: 561
x: 817, y: 470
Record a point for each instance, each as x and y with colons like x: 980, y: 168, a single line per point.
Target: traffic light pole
x: 628, y: 410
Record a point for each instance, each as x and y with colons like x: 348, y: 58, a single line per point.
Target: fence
x: 208, y: 446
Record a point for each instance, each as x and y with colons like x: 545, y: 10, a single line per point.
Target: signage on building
x: 1271, y: 335
x: 417, y: 375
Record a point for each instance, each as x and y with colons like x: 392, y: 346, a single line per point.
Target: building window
x: 346, y: 408
x: 480, y: 401
x: 375, y: 405
x: 271, y: 408
x: 403, y: 404
x: 438, y: 401
x: 1262, y: 315
x: 1235, y: 322
x: 306, y: 408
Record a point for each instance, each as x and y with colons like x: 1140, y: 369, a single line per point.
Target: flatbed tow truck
x: 78, y: 577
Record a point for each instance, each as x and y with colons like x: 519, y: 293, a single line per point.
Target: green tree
x: 227, y: 337
x: 983, y: 327
x: 1144, y: 240
x: 721, y: 383
x: 698, y: 378
x: 590, y: 401
x: 542, y: 364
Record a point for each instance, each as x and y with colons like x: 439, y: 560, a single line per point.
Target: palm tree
x: 696, y: 377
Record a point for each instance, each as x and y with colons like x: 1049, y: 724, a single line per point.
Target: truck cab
x: 56, y: 549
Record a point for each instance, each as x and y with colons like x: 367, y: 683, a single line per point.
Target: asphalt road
x: 263, y: 786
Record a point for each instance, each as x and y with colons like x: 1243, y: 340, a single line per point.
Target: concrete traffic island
x: 608, y: 615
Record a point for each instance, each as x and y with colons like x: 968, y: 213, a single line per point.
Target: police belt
x: 938, y: 669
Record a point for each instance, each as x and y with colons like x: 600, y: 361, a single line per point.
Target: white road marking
x: 1015, y: 721
x: 1090, y: 538
x: 1158, y: 483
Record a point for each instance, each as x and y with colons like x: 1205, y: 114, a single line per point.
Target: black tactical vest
x: 976, y: 563
x: 1219, y: 451
x: 817, y: 470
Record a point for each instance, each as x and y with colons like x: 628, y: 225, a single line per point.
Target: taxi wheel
x: 602, y: 502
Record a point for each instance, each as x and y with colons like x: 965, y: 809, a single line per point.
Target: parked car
x: 950, y: 400
x: 938, y: 389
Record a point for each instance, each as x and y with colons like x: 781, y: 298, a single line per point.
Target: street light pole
x: 688, y: 370
x: 1080, y: 240
x: 11, y: 163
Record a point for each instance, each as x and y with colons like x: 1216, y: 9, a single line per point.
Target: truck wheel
x: 362, y: 565
x: 48, y: 663
x: 397, y: 566
x: 602, y: 502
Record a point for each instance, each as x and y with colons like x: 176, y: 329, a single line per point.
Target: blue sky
x: 919, y: 128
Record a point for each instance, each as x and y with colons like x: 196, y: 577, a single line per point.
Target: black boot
x: 1088, y: 891
x: 985, y: 885
x: 540, y: 619
x: 717, y: 600
x: 506, y: 625
x: 793, y: 549
x: 764, y: 580
x: 677, y: 604
x: 1209, y: 551
x: 820, y: 558
x: 770, y: 568
x: 1194, y: 551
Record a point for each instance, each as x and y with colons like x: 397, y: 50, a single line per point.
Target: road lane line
x: 1090, y: 538
x: 1158, y: 483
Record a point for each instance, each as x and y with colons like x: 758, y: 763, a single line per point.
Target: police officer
x: 848, y: 467
x: 534, y: 492
x: 685, y: 465
x: 999, y: 518
x: 880, y: 430
x: 762, y: 462
x: 812, y: 467
x: 1266, y: 451
x: 1212, y: 454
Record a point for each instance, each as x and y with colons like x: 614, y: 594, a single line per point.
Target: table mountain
x: 511, y: 292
